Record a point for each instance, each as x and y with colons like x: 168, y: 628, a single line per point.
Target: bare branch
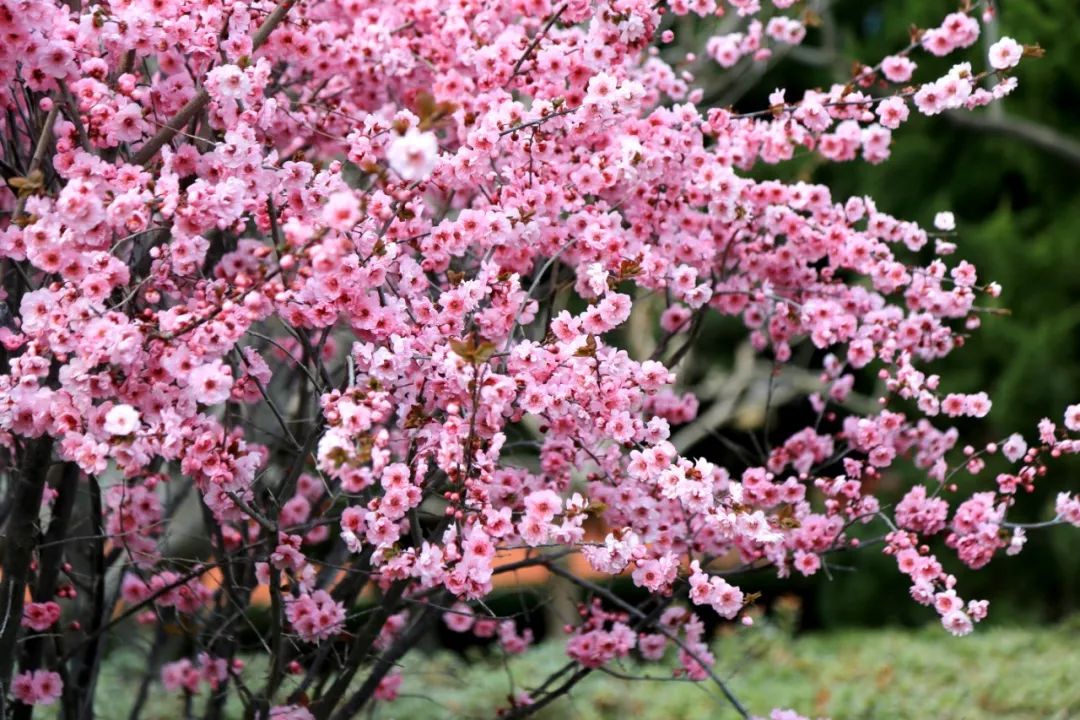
x: 1033, y: 133
x: 39, y: 155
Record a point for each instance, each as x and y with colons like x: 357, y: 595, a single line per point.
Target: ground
x: 1006, y: 673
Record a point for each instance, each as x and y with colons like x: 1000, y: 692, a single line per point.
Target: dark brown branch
x: 149, y: 149
x: 73, y: 115
x: 537, y: 121
x: 385, y: 663
x: 50, y: 555
x: 526, y: 710
x: 358, y: 653
x: 90, y: 662
x: 149, y: 674
x: 20, y: 541
x: 39, y: 155
x: 535, y: 41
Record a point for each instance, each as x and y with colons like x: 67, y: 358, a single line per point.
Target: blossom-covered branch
x: 328, y: 304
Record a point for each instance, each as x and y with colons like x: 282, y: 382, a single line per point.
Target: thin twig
x: 535, y: 41
x: 39, y: 155
x: 195, y: 105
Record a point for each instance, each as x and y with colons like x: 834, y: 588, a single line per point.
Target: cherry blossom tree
x: 352, y: 280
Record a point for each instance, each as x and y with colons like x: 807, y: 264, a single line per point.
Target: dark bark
x: 90, y: 660
x: 359, y: 651
x: 385, y: 662
x: 50, y: 559
x: 21, y: 537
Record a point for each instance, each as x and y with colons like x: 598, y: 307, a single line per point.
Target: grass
x: 1000, y: 673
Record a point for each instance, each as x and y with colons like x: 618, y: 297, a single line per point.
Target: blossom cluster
x: 40, y: 687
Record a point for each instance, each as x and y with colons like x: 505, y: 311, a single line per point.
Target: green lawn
x: 926, y: 674
x: 1001, y: 673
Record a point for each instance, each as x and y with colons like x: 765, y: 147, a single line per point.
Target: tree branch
x: 21, y: 539
x: 535, y: 41
x: 150, y: 148
x: 50, y: 556
x: 1041, y: 136
x: 39, y: 155
x: 636, y: 612
x: 385, y: 663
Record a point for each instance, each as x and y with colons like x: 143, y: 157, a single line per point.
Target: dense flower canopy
x: 357, y: 272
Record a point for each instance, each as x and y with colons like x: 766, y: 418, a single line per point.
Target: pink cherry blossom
x: 1072, y: 418
x: 412, y: 155
x: 40, y: 616
x: 898, y: 68
x: 40, y: 687
x: 892, y: 111
x: 121, y: 420
x: 1005, y: 54
x: 315, y: 616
